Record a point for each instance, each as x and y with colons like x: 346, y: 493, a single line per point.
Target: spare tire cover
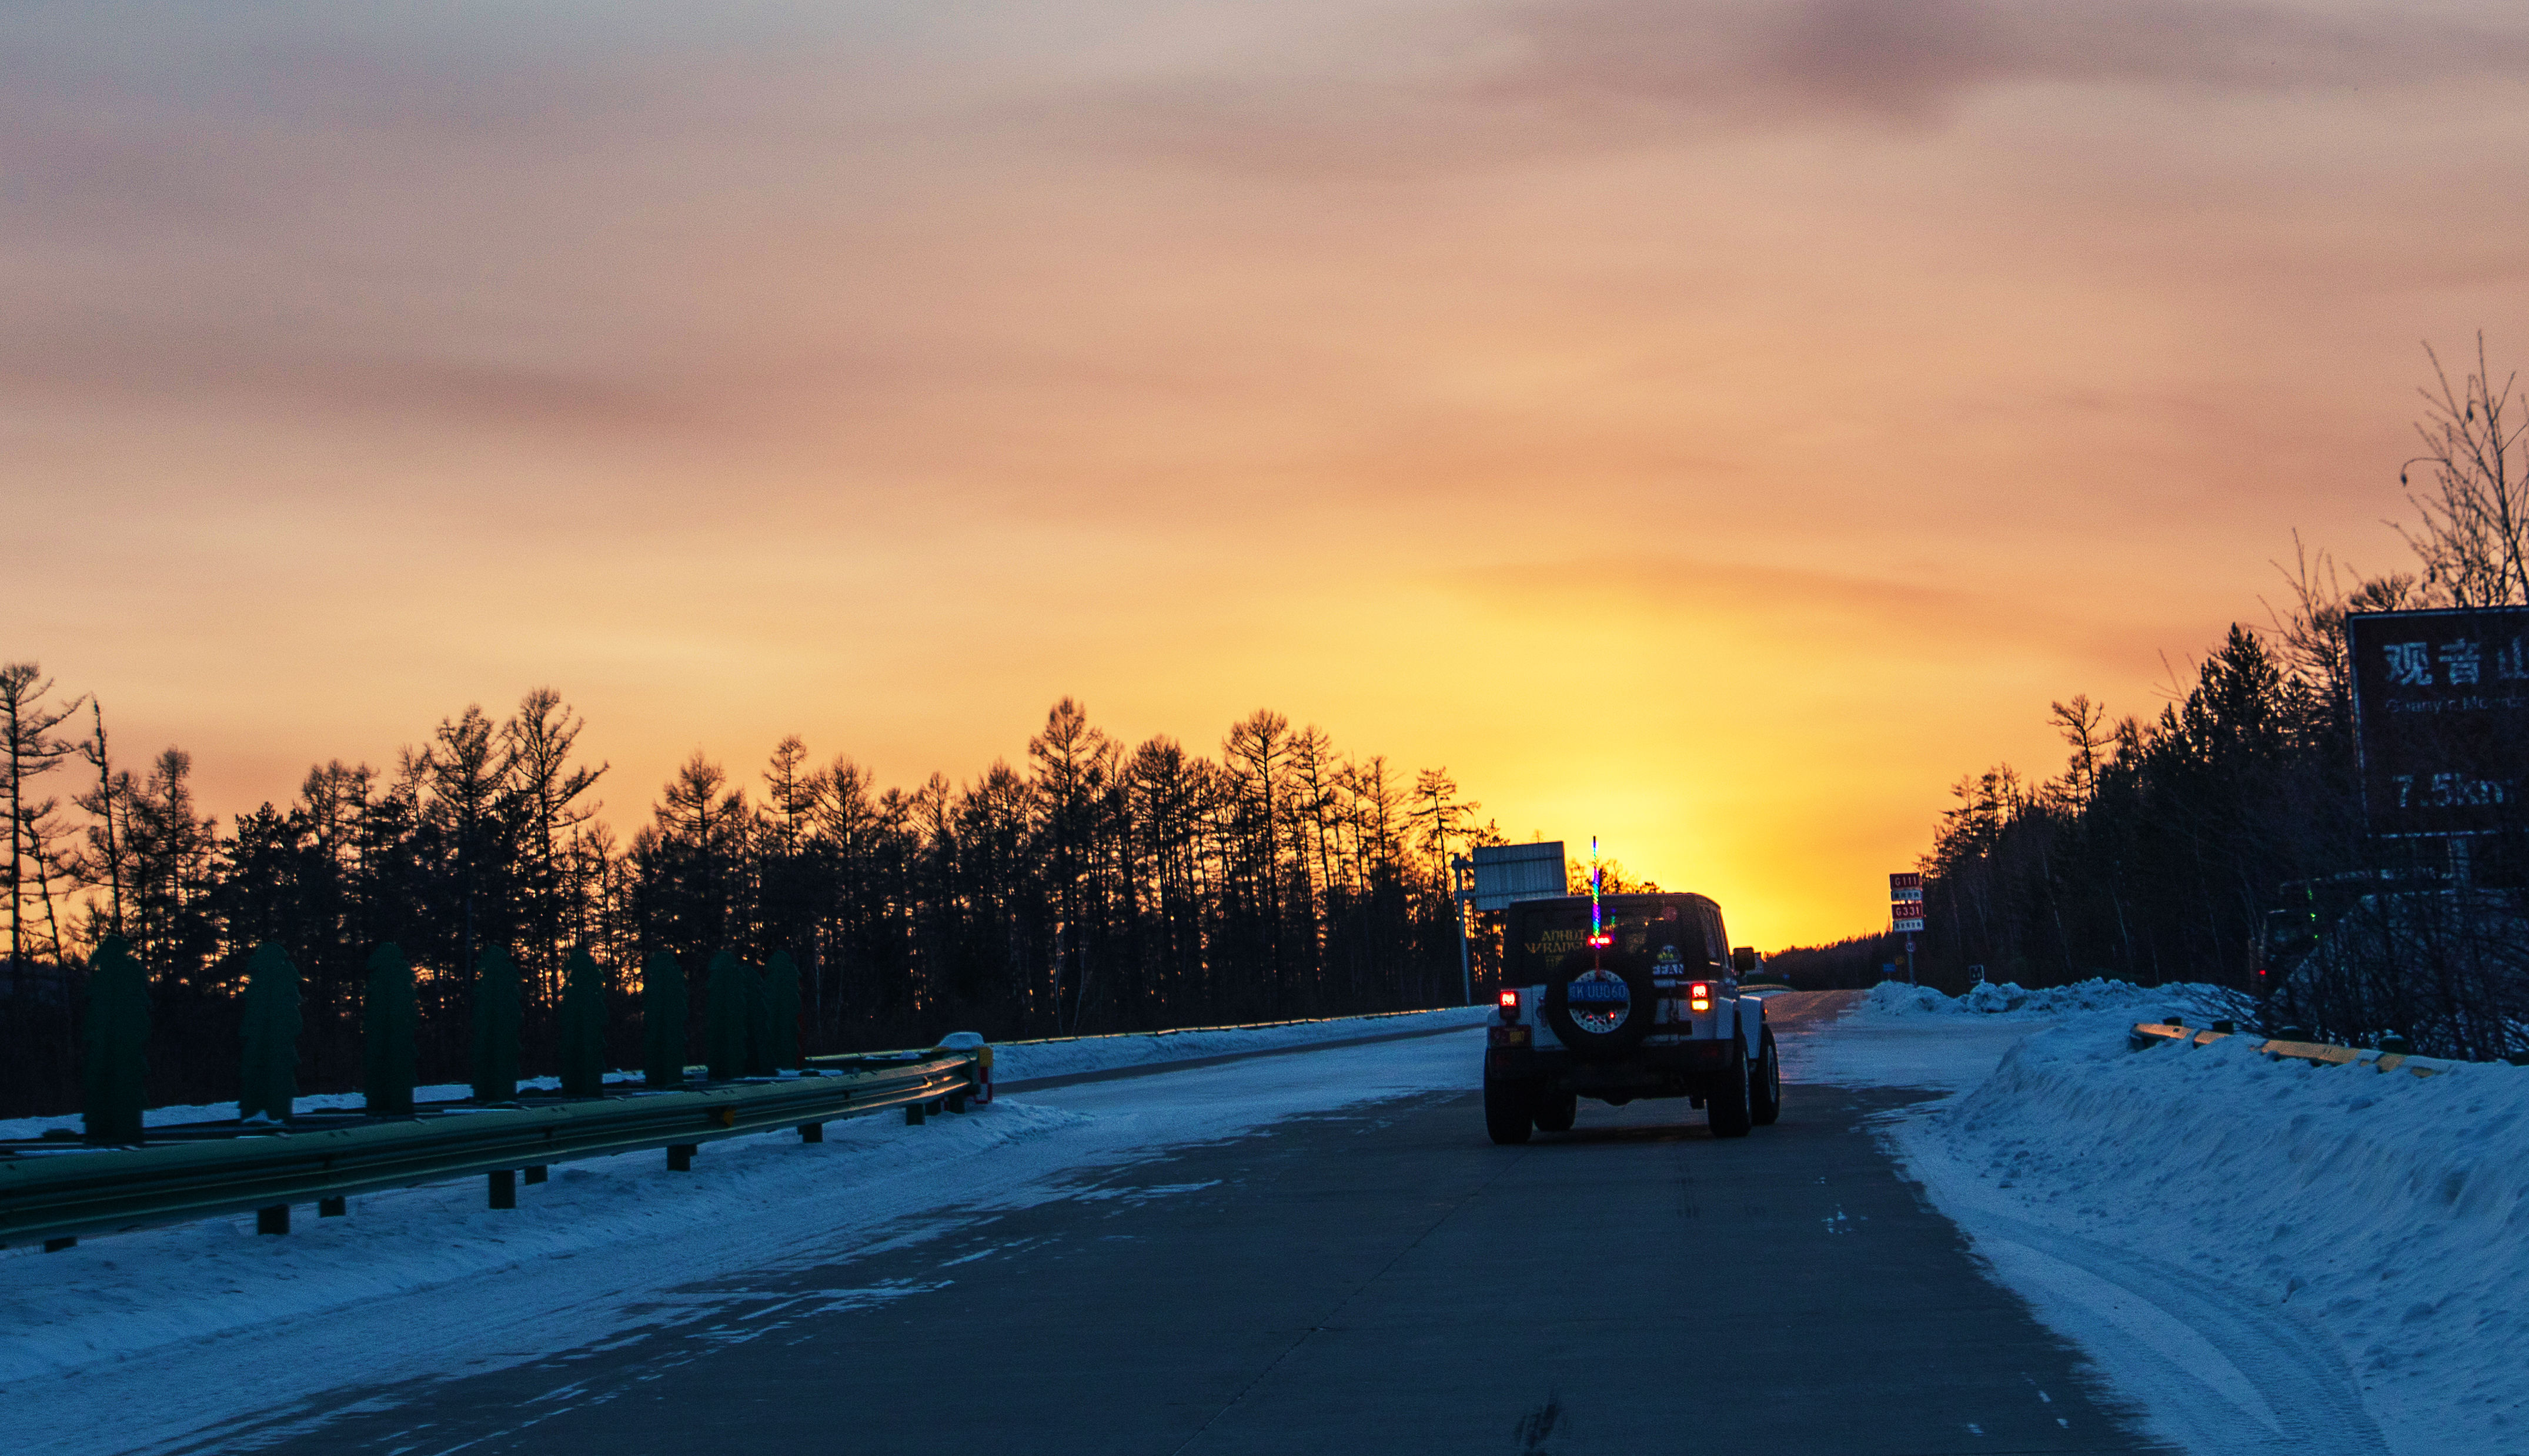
x: 1599, y: 1002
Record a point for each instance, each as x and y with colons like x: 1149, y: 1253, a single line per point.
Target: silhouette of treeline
x: 1852, y: 964
x: 2158, y: 851
x: 1099, y: 888
x: 2155, y: 854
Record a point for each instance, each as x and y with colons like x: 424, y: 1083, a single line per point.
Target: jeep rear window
x: 1541, y: 935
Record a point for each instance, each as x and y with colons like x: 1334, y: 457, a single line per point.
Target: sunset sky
x: 1712, y: 426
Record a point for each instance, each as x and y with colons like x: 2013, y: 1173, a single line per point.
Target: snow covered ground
x: 1012, y: 1062
x: 166, y: 1328
x: 2264, y: 1256
x: 1021, y: 1060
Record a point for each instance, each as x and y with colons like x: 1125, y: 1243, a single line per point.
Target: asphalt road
x: 1379, y: 1280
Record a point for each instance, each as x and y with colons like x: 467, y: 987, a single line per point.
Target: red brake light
x: 1602, y: 940
x: 1700, y: 995
x: 1509, y: 1007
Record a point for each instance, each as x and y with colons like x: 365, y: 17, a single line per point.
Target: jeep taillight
x: 1699, y: 997
x: 1509, y: 1007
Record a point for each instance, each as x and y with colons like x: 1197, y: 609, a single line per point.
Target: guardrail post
x: 957, y: 1103
x: 680, y: 1157
x: 56, y: 1245
x: 812, y: 1132
x: 536, y: 1174
x: 913, y: 1114
x: 505, y: 1188
x: 332, y: 1208
x: 273, y: 1220
x: 936, y: 1106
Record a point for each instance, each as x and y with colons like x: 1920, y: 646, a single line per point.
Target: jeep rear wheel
x: 1725, y: 1105
x: 1554, y: 1110
x: 1765, y: 1089
x: 1508, y: 1106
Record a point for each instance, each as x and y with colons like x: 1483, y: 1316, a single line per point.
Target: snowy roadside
x: 2263, y: 1256
x: 179, y: 1330
x: 1016, y: 1061
x: 1011, y: 1061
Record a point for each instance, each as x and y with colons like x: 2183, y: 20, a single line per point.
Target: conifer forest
x: 2224, y: 837
x: 1097, y: 887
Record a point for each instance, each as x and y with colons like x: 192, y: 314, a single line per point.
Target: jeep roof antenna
x: 1598, y: 922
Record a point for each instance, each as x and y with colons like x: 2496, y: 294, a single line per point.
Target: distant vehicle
x: 1651, y: 1006
x: 2415, y: 954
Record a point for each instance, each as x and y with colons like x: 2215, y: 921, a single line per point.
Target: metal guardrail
x: 59, y: 1197
x: 2325, y: 1054
x: 1051, y: 1041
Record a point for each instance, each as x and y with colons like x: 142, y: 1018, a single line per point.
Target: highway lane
x: 1380, y: 1280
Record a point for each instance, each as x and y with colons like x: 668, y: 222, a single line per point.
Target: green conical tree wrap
x: 583, y: 1027
x: 726, y: 1017
x: 663, y: 1020
x: 496, y: 1026
x: 759, y: 1022
x: 782, y: 974
x: 268, y: 1080
x: 118, y: 1040
x: 388, y: 1023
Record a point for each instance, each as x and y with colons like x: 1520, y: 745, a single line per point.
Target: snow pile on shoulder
x: 1897, y: 998
x: 1012, y: 1062
x: 2391, y: 1209
x: 1016, y: 1061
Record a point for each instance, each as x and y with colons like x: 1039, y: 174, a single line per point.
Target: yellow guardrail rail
x: 2325, y: 1054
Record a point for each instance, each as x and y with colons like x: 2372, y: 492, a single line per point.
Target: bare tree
x: 103, y: 802
x: 2473, y: 534
x: 2079, y: 722
x: 26, y: 738
x: 544, y: 792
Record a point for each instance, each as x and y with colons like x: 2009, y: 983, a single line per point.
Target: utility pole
x: 1905, y: 911
x: 1461, y: 890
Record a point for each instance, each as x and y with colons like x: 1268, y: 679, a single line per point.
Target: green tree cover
x: 388, y: 1020
x: 114, y: 1067
x: 1106, y: 887
x: 582, y: 1051
x: 664, y: 1036
x: 727, y: 1017
x: 782, y: 979
x: 268, y: 1048
x: 494, y: 1022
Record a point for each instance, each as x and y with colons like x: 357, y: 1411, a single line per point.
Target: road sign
x: 2441, y: 717
x: 1905, y: 901
x: 1505, y: 874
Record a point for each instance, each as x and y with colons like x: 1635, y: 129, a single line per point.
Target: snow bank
x: 177, y: 1329
x: 218, y: 1112
x: 1894, y: 999
x: 1011, y: 1061
x: 1014, y: 1062
x: 2274, y: 1255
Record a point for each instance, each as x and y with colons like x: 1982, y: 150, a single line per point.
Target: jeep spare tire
x: 1599, y: 1004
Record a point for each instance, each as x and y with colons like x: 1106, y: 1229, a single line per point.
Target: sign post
x: 1905, y: 911
x: 2441, y: 721
x: 1491, y: 876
